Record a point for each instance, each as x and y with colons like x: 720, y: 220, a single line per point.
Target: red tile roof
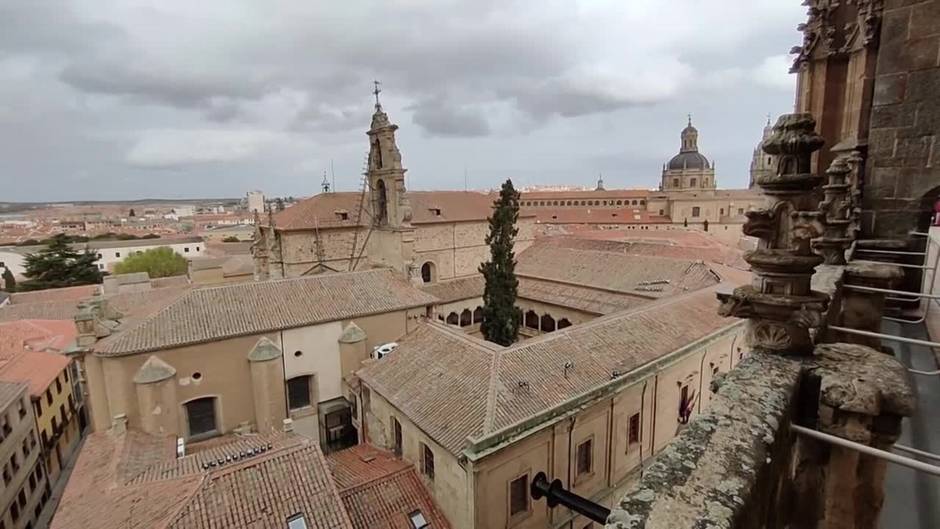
x: 55, y: 294
x: 39, y: 370
x: 380, y: 491
x: 324, y: 210
x: 135, y: 481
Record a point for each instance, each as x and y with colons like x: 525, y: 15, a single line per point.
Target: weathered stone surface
x: 859, y: 379
x: 727, y: 466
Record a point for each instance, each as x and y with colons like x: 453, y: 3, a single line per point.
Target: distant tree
x: 131, y: 213
x: 126, y: 237
x: 9, y: 282
x: 157, y: 262
x: 501, y: 317
x: 28, y: 242
x: 58, y: 265
x: 231, y: 238
x: 279, y: 204
x: 104, y: 236
x: 151, y: 236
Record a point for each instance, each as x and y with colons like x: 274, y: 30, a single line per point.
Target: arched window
x: 548, y: 323
x: 453, y: 318
x: 466, y: 318
x: 642, y: 202
x: 696, y: 211
x: 583, y: 203
x: 427, y: 272
x: 440, y: 317
x: 633, y: 203
x: 532, y: 320
x: 200, y: 417
x: 562, y: 323
x: 478, y: 315
x: 381, y: 205
x: 620, y: 202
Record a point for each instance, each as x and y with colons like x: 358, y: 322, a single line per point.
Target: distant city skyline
x: 102, y: 102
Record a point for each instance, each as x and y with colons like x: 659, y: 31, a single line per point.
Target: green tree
x: 131, y: 213
x: 157, y: 262
x: 279, y: 204
x: 59, y: 265
x: 230, y: 238
x: 9, y: 282
x: 501, y: 317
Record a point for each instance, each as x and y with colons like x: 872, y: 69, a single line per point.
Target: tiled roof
x: 676, y: 244
x: 46, y: 310
x: 637, y: 275
x: 208, y: 314
x: 576, y: 297
x: 135, y: 481
x: 22, y: 351
x: 467, y: 390
x: 322, y: 210
x: 10, y: 391
x: 456, y: 289
x: 380, y: 490
x: 55, y: 294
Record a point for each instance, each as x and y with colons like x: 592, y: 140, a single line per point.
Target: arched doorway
x: 381, y: 203
x: 427, y: 272
x: 453, y: 319
x: 466, y: 318
x: 532, y: 320
x: 200, y: 418
x: 478, y: 315
x: 562, y: 323
x: 548, y: 323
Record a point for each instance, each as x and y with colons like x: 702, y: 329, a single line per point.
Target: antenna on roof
x: 325, y: 185
x: 333, y: 174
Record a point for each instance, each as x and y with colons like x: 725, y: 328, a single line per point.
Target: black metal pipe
x: 555, y: 494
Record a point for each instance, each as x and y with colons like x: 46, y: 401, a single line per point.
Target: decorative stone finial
x: 784, y: 312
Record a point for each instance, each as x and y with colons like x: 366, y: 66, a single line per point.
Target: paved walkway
x: 913, y: 498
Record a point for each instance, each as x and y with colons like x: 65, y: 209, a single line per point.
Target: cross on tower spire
x: 376, y: 90
x: 690, y: 120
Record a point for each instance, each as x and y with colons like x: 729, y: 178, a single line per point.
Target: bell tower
x: 390, y: 207
x: 391, y: 243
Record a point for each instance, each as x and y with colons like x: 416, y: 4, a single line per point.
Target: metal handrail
x: 893, y: 291
x: 917, y: 452
x: 903, y: 265
x: 847, y: 330
x: 889, y: 252
x: 868, y: 450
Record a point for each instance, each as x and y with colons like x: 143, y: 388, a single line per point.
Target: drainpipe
x: 701, y: 377
x: 655, y: 402
x: 642, y: 414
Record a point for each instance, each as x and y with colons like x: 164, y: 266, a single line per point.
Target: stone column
x: 863, y: 395
x: 864, y: 310
x: 155, y: 382
x: 267, y: 385
x: 782, y: 309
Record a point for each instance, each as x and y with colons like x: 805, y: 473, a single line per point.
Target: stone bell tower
x: 391, y: 243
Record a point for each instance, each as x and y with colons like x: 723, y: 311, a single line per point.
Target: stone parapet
x: 740, y: 466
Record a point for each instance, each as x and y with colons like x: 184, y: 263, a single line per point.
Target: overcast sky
x: 113, y: 99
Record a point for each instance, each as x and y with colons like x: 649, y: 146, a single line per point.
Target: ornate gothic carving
x: 783, y: 311
x: 838, y: 210
x: 824, y: 35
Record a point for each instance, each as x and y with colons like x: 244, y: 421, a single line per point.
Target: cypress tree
x: 501, y: 317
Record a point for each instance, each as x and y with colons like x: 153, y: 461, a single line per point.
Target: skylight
x: 418, y: 521
x: 297, y: 521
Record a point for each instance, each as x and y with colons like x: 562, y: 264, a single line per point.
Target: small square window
x: 117, y: 254
x: 634, y: 433
x: 519, y: 495
x: 585, y: 457
x: 186, y: 249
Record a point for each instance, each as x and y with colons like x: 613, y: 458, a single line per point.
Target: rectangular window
x: 396, y: 436
x: 696, y: 211
x: 48, y: 396
x: 298, y: 392
x: 585, y: 457
x: 200, y: 415
x: 519, y: 495
x: 117, y: 254
x: 634, y: 433
x: 740, y: 211
x: 58, y: 385
x: 427, y: 461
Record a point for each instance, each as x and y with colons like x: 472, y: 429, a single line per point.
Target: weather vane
x: 376, y: 90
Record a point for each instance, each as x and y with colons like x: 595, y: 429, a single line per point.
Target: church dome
x: 689, y: 160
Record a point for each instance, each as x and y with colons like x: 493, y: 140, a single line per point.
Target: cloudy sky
x: 113, y: 99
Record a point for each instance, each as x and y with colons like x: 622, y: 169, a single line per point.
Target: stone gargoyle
x: 760, y: 223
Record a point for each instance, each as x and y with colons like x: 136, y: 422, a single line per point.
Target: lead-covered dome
x: 689, y: 160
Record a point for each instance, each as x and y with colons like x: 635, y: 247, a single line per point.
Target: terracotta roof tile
x: 640, y: 276
x: 468, y: 390
x: 55, y: 294
x: 456, y: 289
x: 127, y: 481
x: 322, y: 210
x: 242, y: 309
x: 582, y: 298
x: 380, y: 491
